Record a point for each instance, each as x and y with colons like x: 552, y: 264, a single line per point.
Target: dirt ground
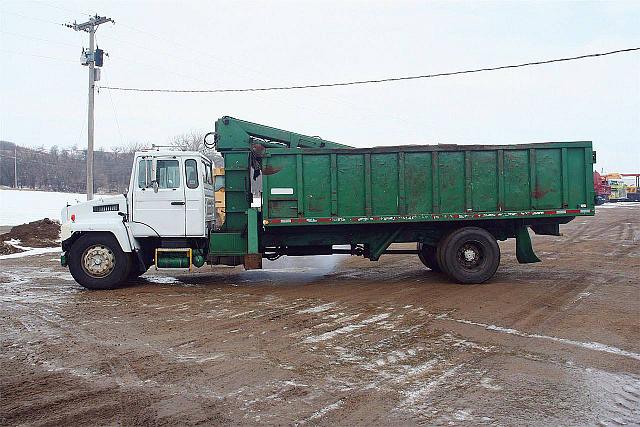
x: 335, y: 340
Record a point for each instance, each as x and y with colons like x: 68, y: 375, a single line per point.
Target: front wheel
x: 96, y: 261
x: 469, y: 255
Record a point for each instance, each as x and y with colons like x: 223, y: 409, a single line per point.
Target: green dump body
x: 426, y: 183
x: 317, y: 193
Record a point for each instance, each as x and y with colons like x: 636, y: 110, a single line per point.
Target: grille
x: 106, y: 208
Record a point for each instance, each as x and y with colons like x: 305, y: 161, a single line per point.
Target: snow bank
x: 31, y: 251
x: 618, y: 205
x: 22, y: 206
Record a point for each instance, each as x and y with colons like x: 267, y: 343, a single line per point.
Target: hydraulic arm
x: 243, y: 145
x: 237, y: 135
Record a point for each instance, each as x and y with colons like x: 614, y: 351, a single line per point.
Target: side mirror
x: 154, y: 183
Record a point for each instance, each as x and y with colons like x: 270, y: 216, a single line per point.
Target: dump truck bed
x: 427, y: 183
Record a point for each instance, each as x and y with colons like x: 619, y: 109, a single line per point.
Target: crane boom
x: 237, y: 135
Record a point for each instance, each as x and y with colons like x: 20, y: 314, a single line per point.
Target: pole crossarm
x: 88, y: 26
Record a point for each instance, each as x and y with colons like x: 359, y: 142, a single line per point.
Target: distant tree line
x: 64, y: 168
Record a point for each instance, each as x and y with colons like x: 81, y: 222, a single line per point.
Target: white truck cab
x: 169, y: 206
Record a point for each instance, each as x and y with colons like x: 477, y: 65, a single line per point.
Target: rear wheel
x: 96, y: 261
x: 428, y: 256
x: 469, y: 255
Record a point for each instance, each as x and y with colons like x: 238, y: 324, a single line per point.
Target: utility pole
x: 93, y: 59
x: 15, y: 166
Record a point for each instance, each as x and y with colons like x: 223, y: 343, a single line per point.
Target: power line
x: 42, y: 3
x: 33, y: 18
x: 385, y: 80
x: 234, y: 67
x: 37, y: 56
x: 37, y: 38
x: 115, y: 116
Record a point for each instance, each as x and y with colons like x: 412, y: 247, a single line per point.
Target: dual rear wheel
x: 467, y: 255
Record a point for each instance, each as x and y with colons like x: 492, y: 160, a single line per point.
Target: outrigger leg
x: 524, y: 250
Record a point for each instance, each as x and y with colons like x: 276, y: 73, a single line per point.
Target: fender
x: 102, y: 214
x: 115, y: 227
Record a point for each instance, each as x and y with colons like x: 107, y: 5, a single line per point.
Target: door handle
x: 177, y: 203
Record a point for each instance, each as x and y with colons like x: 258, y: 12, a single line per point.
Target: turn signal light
x: 73, y: 217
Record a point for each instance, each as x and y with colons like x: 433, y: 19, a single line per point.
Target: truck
x: 601, y: 188
x: 618, y: 187
x: 318, y: 197
x: 633, y: 191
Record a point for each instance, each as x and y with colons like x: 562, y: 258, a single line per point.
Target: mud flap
x: 524, y: 250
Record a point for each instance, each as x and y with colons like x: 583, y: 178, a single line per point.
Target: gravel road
x: 335, y: 340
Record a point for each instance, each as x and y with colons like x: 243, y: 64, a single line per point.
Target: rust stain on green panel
x: 317, y: 184
x: 484, y: 181
x: 384, y: 184
x: 282, y: 205
x: 452, y: 181
x: 577, y: 187
x: 516, y: 180
x: 418, y: 182
x: 351, y: 181
x: 548, y: 186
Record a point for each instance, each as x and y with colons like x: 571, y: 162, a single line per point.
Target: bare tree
x: 194, y: 141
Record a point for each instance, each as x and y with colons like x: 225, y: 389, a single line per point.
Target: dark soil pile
x: 43, y: 233
x: 6, y: 249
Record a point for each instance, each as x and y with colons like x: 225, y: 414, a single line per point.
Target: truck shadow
x: 292, y: 278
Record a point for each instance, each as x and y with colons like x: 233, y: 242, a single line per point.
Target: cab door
x: 161, y: 212
x: 194, y: 198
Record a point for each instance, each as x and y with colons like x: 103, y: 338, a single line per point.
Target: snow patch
x: 618, y: 205
x: 164, y: 280
x: 345, y: 329
x: 34, y: 205
x: 323, y: 411
x: 30, y: 251
x: 588, y: 345
x: 317, y: 309
x: 422, y: 392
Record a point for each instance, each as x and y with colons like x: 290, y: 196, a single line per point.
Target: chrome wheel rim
x: 98, y: 261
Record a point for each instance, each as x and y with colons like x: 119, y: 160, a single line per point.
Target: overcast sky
x: 229, y: 44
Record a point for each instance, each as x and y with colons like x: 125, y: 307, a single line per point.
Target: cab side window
x: 207, y: 177
x: 191, y: 171
x: 168, y: 173
x: 144, y: 174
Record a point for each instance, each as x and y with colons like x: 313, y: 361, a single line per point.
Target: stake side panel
x: 337, y: 185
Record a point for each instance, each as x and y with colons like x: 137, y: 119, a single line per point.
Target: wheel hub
x: 470, y: 255
x: 98, y: 261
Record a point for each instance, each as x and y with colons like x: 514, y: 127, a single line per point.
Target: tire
x: 440, y: 253
x: 136, y: 269
x: 428, y: 256
x: 469, y: 255
x: 96, y: 261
